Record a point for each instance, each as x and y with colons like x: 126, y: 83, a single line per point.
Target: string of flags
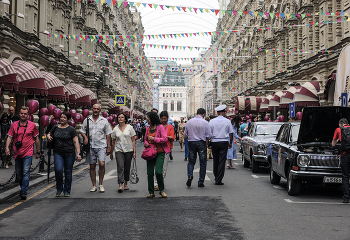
x: 196, y: 10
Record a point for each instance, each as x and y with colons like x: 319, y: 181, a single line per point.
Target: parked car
x: 255, y: 143
x: 302, y: 152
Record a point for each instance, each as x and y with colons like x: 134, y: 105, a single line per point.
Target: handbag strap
x: 134, y: 163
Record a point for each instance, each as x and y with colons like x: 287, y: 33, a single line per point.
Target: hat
x: 220, y: 108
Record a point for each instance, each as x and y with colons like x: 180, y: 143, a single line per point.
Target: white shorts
x: 95, y: 155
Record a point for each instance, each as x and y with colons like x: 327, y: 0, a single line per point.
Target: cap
x: 220, y: 108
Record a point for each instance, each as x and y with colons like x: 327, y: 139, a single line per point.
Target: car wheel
x: 255, y: 165
x: 245, y: 162
x: 274, y: 178
x: 293, y: 185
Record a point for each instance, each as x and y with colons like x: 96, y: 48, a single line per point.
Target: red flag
x: 150, y: 5
x: 114, y: 2
x: 186, y: 34
x: 277, y: 15
x: 184, y: 8
x: 216, y: 11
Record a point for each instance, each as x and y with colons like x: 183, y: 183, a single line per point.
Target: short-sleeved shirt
x: 28, y: 138
x: 123, y: 142
x: 63, y: 140
x: 98, y: 131
x: 220, y: 128
x: 13, y: 119
x: 337, y: 135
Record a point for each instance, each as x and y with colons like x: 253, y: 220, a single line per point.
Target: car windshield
x: 294, y: 133
x: 267, y: 129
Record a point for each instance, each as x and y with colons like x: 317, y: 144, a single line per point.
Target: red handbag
x: 150, y: 152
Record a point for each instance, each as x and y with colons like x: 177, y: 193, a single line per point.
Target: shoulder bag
x: 150, y: 152
x: 50, y: 145
x: 86, y: 147
x: 134, y: 178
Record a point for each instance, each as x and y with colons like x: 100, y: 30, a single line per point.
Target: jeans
x: 199, y: 147
x: 186, y: 148
x: 66, y: 165
x: 23, y: 172
x: 157, y: 162
x: 219, y: 150
x: 345, y: 169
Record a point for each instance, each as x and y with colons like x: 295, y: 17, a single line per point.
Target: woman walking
x: 156, y: 135
x: 123, y: 143
x: 66, y: 143
x: 5, y: 127
x: 231, y: 153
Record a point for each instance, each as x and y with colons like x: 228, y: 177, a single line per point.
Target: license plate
x: 332, y: 179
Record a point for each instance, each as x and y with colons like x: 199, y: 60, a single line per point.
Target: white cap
x: 220, y: 108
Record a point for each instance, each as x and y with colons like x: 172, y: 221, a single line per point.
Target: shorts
x: 181, y: 138
x: 96, y: 154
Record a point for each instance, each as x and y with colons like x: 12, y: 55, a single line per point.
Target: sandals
x: 126, y: 188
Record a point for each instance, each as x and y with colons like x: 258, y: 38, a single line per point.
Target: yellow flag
x: 138, y: 4
x: 256, y: 13
x: 102, y: 2
x: 226, y: 32
x: 114, y: 38
x: 180, y: 47
x: 287, y: 14
x: 157, y: 36
x: 172, y: 7
x: 179, y: 35
x: 202, y: 34
x: 207, y: 10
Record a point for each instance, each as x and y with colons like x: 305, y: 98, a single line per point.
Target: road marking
x: 332, y: 203
x: 254, y: 176
x: 206, y: 176
x: 37, y: 193
x: 108, y: 175
x: 278, y: 187
x: 236, y: 163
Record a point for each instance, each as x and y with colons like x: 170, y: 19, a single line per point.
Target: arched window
x: 165, y: 105
x: 179, y: 106
x: 172, y: 106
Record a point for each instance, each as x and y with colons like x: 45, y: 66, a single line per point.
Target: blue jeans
x: 186, y: 148
x: 66, y: 164
x: 199, y: 147
x: 345, y: 169
x: 23, y: 172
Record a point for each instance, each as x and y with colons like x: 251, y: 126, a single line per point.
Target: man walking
x: 222, y: 137
x: 12, y: 116
x: 181, y: 134
x: 100, y: 144
x: 176, y: 127
x: 24, y: 133
x: 197, y: 132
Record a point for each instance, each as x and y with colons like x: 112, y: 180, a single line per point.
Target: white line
x: 254, y: 176
x: 207, y: 178
x: 332, y: 203
x: 236, y: 163
x: 277, y: 187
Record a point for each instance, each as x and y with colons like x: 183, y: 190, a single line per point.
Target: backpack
x: 345, y: 139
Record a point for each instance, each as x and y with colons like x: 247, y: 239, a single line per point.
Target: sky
x: 157, y: 21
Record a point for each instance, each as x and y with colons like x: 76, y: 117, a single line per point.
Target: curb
x: 15, y: 191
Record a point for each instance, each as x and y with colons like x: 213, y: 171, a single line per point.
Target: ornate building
x: 23, y: 22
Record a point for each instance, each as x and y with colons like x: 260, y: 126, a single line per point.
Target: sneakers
x: 151, y: 195
x: 171, y: 157
x: 58, y: 193
x: 102, y: 189
x: 185, y: 159
x: 346, y: 201
x: 200, y: 185
x: 23, y: 196
x: 93, y: 189
x: 163, y: 194
x: 189, y: 181
x: 66, y: 194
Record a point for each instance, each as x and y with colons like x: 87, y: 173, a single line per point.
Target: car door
x: 247, y: 143
x: 275, y: 146
x: 250, y: 139
x: 283, y: 151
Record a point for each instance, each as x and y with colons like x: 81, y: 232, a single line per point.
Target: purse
x: 85, y: 148
x: 50, y: 145
x: 134, y: 178
x: 150, y: 152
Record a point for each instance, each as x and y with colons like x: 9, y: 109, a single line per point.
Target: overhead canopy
x: 30, y: 78
x: 8, y: 76
x: 71, y: 94
x: 82, y: 95
x: 275, y: 100
x: 288, y: 96
x: 247, y: 104
x: 111, y: 103
x: 265, y: 103
x: 230, y: 111
x: 307, y: 94
x: 54, y: 86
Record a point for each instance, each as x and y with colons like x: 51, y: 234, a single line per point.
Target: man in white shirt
x: 100, y: 144
x: 222, y: 137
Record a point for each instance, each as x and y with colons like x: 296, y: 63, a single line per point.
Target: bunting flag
x: 114, y: 39
x: 236, y: 13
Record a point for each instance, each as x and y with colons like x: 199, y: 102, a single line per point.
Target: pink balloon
x: 52, y: 109
x: 247, y: 117
x: 114, y: 116
x: 73, y: 112
x: 105, y: 114
x: 299, y: 115
x: 114, y: 124
x: 72, y: 123
x: 277, y: 120
x: 45, y: 121
x: 53, y: 122
x: 30, y: 117
x: 82, y: 119
x: 250, y: 115
x: 269, y: 120
x: 44, y: 111
x: 266, y: 118
x: 77, y: 117
x: 57, y: 113
x: 281, y: 118
x: 33, y: 106
x: 110, y: 119
x: 86, y: 113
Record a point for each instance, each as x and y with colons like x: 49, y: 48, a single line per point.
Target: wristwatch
x: 38, y: 153
x: 79, y: 154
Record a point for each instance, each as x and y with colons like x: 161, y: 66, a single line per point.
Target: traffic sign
x: 344, y: 99
x: 291, y: 110
x: 120, y: 100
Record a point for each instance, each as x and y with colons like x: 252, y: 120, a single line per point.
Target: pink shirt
x: 28, y: 139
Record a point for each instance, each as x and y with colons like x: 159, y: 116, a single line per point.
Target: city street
x: 246, y: 207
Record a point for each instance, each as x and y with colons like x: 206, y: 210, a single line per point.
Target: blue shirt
x: 197, y: 129
x: 242, y: 127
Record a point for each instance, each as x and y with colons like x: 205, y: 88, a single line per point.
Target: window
x: 167, y: 95
x: 179, y: 106
x: 172, y: 107
x: 163, y: 94
x: 177, y: 94
x: 174, y: 95
x: 180, y: 94
x: 165, y: 105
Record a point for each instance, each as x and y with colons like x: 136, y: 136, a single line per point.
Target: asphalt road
x: 246, y: 207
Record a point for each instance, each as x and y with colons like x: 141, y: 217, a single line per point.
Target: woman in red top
x: 156, y: 135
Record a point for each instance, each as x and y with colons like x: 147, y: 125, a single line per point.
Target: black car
x: 254, y: 144
x: 302, y: 152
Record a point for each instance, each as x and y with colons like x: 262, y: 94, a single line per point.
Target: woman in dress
x: 5, y: 127
x: 123, y: 143
x: 156, y: 135
x: 66, y: 144
x: 231, y: 153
